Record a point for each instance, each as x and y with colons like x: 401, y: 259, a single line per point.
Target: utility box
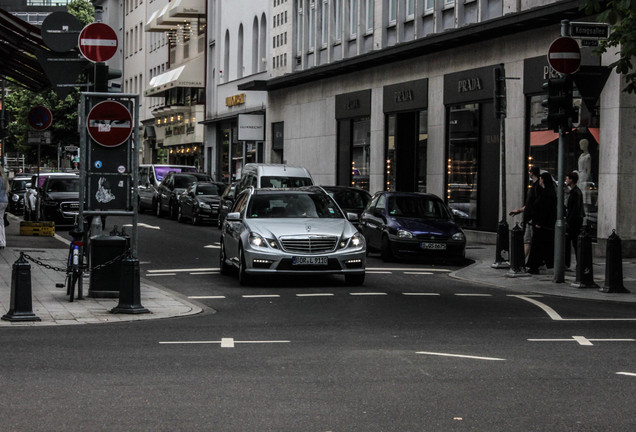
x: 105, y: 281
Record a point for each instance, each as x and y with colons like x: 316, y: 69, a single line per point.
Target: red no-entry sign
x: 109, y: 123
x: 97, y: 42
x: 564, y: 55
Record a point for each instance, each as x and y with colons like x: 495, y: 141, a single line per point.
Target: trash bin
x: 104, y: 282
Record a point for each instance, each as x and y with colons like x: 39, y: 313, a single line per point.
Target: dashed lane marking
x: 460, y: 356
x: 368, y: 293
x: 472, y: 295
x: 161, y: 274
x: 224, y: 342
x: 417, y: 273
x: 626, y: 374
x: 582, y: 340
x: 315, y: 295
x: 186, y: 270
x: 206, y: 297
x: 420, y: 294
x: 260, y: 296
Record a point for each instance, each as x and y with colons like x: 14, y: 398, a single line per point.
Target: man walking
x: 574, y: 215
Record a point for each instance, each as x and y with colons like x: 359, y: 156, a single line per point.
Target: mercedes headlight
x: 257, y: 240
x: 356, y: 241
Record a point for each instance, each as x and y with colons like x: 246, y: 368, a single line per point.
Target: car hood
x: 212, y: 199
x: 275, y: 228
x: 62, y: 196
x: 427, y: 226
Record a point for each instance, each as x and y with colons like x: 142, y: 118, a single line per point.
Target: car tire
x: 158, y: 212
x: 386, y: 253
x: 224, y: 268
x: 244, y: 278
x: 172, y: 210
x: 180, y: 215
x: 355, y: 279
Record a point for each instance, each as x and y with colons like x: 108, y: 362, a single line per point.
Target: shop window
x: 463, y: 162
x: 390, y: 154
x: 360, y: 153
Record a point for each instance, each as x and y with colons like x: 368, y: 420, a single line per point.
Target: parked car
x: 401, y: 224
x: 200, y: 202
x: 227, y: 201
x: 261, y: 175
x: 150, y: 176
x: 290, y: 231
x: 17, y: 188
x: 31, y: 194
x: 350, y: 199
x: 173, y: 185
x: 59, y: 199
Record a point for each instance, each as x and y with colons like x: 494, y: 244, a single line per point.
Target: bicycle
x: 75, y: 264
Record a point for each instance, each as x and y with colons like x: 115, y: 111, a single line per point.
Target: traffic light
x: 499, y: 96
x: 561, y: 113
x: 102, y: 74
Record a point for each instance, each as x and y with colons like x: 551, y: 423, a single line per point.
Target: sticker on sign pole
x: 109, y: 123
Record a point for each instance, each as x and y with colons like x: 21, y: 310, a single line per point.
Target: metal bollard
x: 129, y: 288
x: 502, y: 246
x: 584, y: 261
x: 517, y: 255
x: 21, y: 308
x: 614, y: 266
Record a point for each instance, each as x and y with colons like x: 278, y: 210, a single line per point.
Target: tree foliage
x: 83, y: 10
x: 619, y: 14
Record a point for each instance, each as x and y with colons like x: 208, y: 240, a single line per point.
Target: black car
x: 405, y: 224
x: 350, y: 199
x: 59, y: 199
x: 17, y: 187
x: 173, y: 185
x: 200, y: 202
x: 227, y: 201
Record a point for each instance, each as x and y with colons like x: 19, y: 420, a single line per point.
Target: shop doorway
x: 405, y: 150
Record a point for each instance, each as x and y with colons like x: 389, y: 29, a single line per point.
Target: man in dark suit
x: 574, y: 215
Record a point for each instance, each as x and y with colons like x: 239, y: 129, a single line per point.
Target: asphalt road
x: 411, y: 350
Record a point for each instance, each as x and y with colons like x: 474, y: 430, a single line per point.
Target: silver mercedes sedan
x: 291, y: 231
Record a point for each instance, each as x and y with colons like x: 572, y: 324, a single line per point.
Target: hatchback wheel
x: 224, y: 268
x: 172, y: 210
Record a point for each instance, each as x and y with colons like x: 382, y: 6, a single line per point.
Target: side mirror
x: 233, y: 217
x: 352, y: 217
x: 378, y: 213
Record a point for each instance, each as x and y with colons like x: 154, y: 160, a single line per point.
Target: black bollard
x: 502, y: 246
x: 614, y: 266
x: 517, y: 254
x: 129, y: 288
x: 584, y: 261
x: 21, y: 308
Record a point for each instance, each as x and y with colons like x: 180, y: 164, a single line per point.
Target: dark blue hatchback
x: 403, y: 224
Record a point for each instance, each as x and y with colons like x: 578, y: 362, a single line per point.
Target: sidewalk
x: 51, y: 304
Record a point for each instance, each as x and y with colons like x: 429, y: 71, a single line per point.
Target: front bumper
x: 415, y: 248
x: 62, y: 214
x: 271, y: 261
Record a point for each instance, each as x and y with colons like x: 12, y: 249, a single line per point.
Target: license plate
x: 433, y: 246
x: 300, y: 260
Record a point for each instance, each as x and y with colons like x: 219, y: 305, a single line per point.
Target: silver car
x: 291, y: 231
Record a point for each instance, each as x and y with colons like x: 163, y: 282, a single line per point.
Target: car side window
x: 372, y: 204
x: 239, y: 205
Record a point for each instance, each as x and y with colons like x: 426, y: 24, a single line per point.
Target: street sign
x: 71, y: 148
x: 39, y: 137
x: 40, y: 118
x: 60, y: 31
x: 98, y: 42
x: 589, y: 30
x: 564, y: 55
x: 109, y: 123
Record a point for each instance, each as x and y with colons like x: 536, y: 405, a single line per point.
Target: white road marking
x: 556, y: 317
x: 626, y: 374
x: 417, y: 273
x: 185, y: 270
x: 260, y: 296
x: 460, y: 356
x: 315, y: 295
x: 368, y: 294
x: 143, y: 225
x: 204, y: 273
x: 378, y: 272
x: 420, y: 294
x: 403, y: 269
x: 224, y: 342
x: 472, y: 295
x: 161, y: 274
x: 212, y: 247
x: 206, y: 297
x: 582, y: 340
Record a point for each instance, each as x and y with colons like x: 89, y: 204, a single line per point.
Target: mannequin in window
x: 585, y: 167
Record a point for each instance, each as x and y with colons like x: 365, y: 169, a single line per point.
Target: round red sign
x: 97, y: 42
x: 564, y: 55
x: 40, y: 118
x: 109, y: 123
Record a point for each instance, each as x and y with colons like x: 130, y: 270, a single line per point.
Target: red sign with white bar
x: 564, y: 55
x: 98, y: 42
x: 109, y: 123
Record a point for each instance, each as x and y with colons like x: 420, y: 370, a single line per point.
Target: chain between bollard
x: 65, y: 269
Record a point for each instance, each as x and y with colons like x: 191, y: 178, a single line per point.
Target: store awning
x: 596, y: 133
x: 189, y: 74
x: 164, y: 18
x: 153, y: 26
x: 187, y: 8
x: 540, y: 138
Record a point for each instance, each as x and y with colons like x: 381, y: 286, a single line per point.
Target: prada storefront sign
x: 356, y: 104
x: 468, y: 86
x: 408, y: 96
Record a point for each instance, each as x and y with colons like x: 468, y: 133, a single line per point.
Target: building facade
x: 398, y: 95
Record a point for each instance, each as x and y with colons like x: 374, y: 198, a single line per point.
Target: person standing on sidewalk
x: 544, y: 216
x: 527, y: 209
x: 574, y: 215
x: 4, y: 203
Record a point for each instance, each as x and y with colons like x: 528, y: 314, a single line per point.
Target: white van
x: 262, y: 175
x: 150, y: 175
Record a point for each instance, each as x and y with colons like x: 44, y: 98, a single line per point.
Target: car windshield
x: 160, y: 172
x: 183, y: 181
x: 18, y: 185
x: 292, y: 205
x: 350, y: 199
x: 208, y: 189
x: 285, y: 182
x: 417, y: 207
x: 63, y: 185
